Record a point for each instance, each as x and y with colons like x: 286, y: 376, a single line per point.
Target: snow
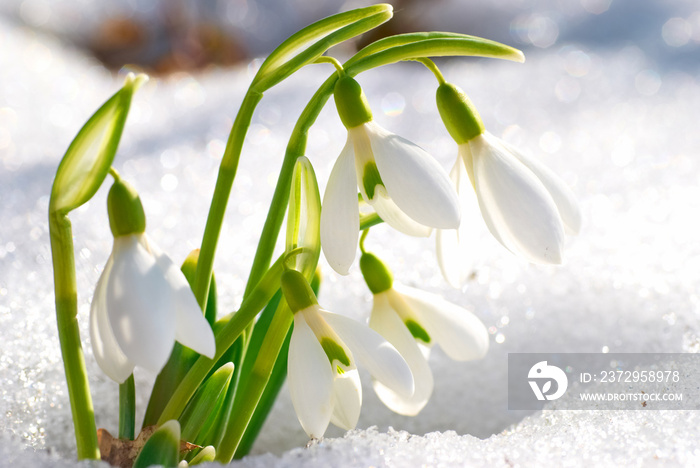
x: 618, y: 123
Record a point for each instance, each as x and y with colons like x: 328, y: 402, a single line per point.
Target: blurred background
x: 609, y: 98
x: 162, y: 36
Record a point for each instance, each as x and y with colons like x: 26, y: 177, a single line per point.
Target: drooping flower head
x: 413, y: 321
x: 142, y: 302
x: 527, y: 208
x: 406, y: 187
x: 322, y: 375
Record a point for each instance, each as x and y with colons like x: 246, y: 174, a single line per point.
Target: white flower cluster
x: 143, y: 303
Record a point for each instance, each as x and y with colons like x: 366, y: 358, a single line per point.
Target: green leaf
x: 368, y: 220
x: 226, y: 330
x: 216, y: 422
x: 207, y: 454
x: 89, y: 157
x: 304, y: 218
x: 427, y: 44
x: 181, y: 360
x: 311, y: 42
x: 189, y: 269
x: 267, y: 400
x: 209, y: 434
x: 127, y: 409
x: 203, y: 402
x: 162, y: 448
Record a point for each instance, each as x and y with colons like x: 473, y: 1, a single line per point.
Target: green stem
x: 278, y: 66
x: 256, y: 381
x: 295, y: 148
x: 260, y: 374
x: 333, y: 61
x: 239, y: 321
x: 127, y: 409
x: 228, y: 329
x: 430, y: 65
x: 367, y: 221
x: 365, y: 232
x: 224, y: 182
x: 69, y: 336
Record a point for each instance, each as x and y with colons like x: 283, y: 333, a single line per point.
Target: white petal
x: 394, y: 217
x: 191, y: 328
x: 458, y: 332
x: 362, y: 150
x: 414, y: 180
x: 340, y: 216
x: 140, y: 304
x: 368, y: 347
x: 465, y: 154
x: 310, y: 379
x: 388, y: 324
x: 108, y: 355
x: 347, y: 399
x: 562, y: 195
x: 515, y: 205
x: 457, y: 248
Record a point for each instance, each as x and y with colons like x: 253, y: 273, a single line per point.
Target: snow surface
x: 619, y: 124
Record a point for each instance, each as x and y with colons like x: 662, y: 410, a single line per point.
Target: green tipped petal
x: 370, y: 179
x: 89, y: 156
x: 334, y: 351
x: 417, y: 331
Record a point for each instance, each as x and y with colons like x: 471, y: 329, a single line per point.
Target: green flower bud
x: 207, y: 454
x: 125, y: 210
x: 377, y: 275
x: 297, y: 291
x: 351, y: 102
x: 458, y: 113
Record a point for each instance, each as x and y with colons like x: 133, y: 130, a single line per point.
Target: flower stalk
x: 79, y: 175
x: 69, y: 336
x: 127, y: 409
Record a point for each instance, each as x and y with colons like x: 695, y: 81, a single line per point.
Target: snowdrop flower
x: 142, y: 301
x: 413, y: 321
x: 406, y: 187
x: 525, y: 205
x: 323, y: 380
